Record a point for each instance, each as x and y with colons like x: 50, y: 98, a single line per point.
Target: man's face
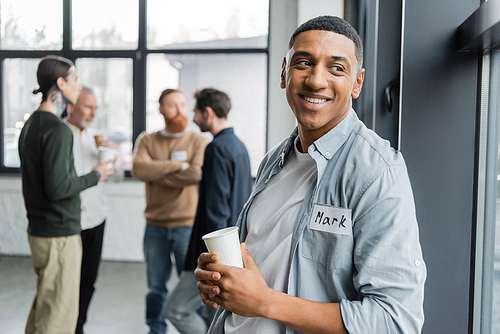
x: 320, y: 75
x: 201, y: 120
x: 83, y: 112
x: 174, y: 111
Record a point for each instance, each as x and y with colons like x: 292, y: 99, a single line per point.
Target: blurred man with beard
x: 169, y: 162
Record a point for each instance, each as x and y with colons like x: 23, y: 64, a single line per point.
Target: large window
x: 18, y: 80
x: 127, y: 60
x: 24, y: 27
x: 488, y: 246
x: 215, y: 21
x: 242, y: 76
x: 98, y: 25
x: 486, y: 310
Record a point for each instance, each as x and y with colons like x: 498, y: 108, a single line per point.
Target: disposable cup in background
x: 98, y: 140
x: 226, y: 244
x: 104, y: 154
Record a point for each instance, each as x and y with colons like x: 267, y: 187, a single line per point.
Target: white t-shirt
x: 93, y: 202
x: 270, y: 223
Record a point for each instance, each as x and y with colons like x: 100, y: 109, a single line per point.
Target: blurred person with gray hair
x: 94, y: 208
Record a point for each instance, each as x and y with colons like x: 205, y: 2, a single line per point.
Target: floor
x: 117, y: 306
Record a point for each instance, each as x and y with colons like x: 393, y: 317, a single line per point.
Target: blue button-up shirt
x: 376, y: 271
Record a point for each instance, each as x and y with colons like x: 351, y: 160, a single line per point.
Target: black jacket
x: 225, y: 185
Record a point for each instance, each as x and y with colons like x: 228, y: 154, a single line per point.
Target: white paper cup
x: 226, y: 244
x: 104, y: 154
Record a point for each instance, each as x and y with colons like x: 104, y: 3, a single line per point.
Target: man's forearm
x: 180, y: 179
x: 303, y: 315
x: 154, y: 170
x: 244, y: 291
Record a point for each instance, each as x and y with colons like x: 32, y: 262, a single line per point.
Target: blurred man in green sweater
x: 51, y: 191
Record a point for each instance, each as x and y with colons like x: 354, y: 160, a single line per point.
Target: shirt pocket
x: 333, y: 251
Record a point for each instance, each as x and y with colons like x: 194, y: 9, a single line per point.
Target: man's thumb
x: 247, y: 257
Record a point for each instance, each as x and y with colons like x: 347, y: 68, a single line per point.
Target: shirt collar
x: 169, y: 134
x: 72, y: 127
x: 288, y: 146
x: 229, y: 130
x: 328, y: 144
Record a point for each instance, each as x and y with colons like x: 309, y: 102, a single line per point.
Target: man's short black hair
x: 215, y: 99
x: 334, y: 24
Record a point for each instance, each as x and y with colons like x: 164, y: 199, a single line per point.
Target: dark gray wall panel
x: 438, y: 140
x: 388, y: 61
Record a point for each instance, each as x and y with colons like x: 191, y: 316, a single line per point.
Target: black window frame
x: 138, y: 57
x: 480, y: 33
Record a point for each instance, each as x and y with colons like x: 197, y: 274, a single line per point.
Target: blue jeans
x: 159, y: 243
x: 183, y: 306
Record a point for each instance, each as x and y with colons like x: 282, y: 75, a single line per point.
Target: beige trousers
x: 57, y: 263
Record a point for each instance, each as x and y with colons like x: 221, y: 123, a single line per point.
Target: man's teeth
x: 308, y: 99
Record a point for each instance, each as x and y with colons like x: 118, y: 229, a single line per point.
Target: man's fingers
x: 207, y: 258
x: 205, y: 279
x: 208, y: 291
x: 208, y: 288
x: 206, y: 275
x: 248, y: 261
x: 207, y: 301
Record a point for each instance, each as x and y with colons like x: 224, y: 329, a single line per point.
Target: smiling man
x: 330, y: 231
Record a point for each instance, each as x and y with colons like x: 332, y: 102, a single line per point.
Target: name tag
x: 331, y: 219
x: 179, y: 156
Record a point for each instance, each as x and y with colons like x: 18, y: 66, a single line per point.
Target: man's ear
x: 358, y: 84
x: 283, y: 74
x: 60, y: 83
x: 208, y: 111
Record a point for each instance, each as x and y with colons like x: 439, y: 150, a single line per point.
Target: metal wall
x: 439, y: 103
x: 433, y: 122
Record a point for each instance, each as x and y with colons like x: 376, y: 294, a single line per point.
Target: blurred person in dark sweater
x: 226, y: 183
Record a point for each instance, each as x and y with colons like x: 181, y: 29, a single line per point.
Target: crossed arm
x: 245, y: 292
x: 167, y: 173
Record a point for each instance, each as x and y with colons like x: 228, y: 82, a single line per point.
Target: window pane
x: 241, y: 76
x: 39, y: 28
x: 494, y: 107
x: 105, y: 25
x: 487, y: 256
x: 217, y: 23
x: 19, y: 80
x: 111, y: 81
